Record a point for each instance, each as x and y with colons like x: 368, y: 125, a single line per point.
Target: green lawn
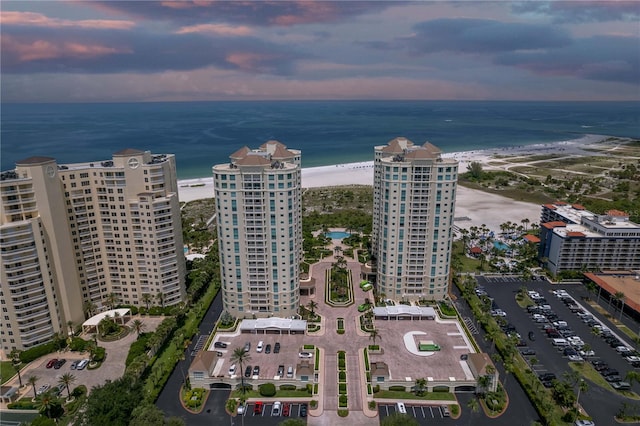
x: 7, y: 371
x: 429, y: 396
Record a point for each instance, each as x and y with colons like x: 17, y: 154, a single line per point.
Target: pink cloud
x: 185, y: 4
x: 218, y: 29
x: 247, y: 61
x: 40, y: 20
x: 44, y: 49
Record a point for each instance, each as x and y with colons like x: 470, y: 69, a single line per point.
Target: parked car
x: 277, y: 407
x: 276, y: 348
x: 445, y: 411
x: 614, y: 378
x: 267, y: 349
x: 74, y: 364
x: 247, y: 371
x: 527, y: 351
x: 286, y: 409
x: 256, y: 370
x: 303, y: 410
x: 281, y: 370
x: 57, y: 390
x: 305, y: 355
x: 242, y: 409
x: 220, y: 345
x: 42, y: 389
x: 82, y: 364
x: 59, y: 363
x: 257, y: 409
x: 621, y: 385
x: 232, y: 370
x: 247, y: 346
x: 584, y: 423
x: 52, y: 362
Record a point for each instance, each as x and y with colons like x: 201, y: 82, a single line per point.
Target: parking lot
x: 569, y: 318
x: 265, y: 417
x: 424, y: 414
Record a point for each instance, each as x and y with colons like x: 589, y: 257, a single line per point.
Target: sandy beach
x: 473, y: 207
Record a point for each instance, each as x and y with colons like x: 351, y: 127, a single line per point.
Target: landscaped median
x: 342, y: 384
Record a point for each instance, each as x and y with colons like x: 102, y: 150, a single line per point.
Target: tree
x: 70, y: 327
x: 160, y: 297
x: 397, y: 419
x: 632, y: 376
x: 473, y: 405
x: 111, y: 300
x: 475, y: 170
x: 67, y: 379
x: 15, y: 360
x: 32, y: 380
x: 49, y: 407
x: 138, y: 326
x: 112, y: 403
x: 89, y: 308
x: 292, y: 422
x: 240, y: 356
x: 146, y: 415
x: 421, y: 386
x: 312, y: 306
x: 619, y: 296
x: 147, y: 299
x: 483, y: 384
x: 373, y: 335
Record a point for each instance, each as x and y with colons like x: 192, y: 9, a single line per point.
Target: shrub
x: 309, y: 347
x: 341, y: 364
x: 342, y: 388
x: 23, y: 404
x: 79, y: 391
x: 309, y: 388
x: 313, y: 403
x: 455, y: 409
x: 100, y: 354
x: 341, y: 331
x: 78, y: 344
x: 342, y: 376
x: 38, y: 351
x: 376, y: 389
x: 288, y: 387
x: 267, y: 389
x: 398, y: 388
x: 372, y: 405
x: 343, y: 413
x: 137, y: 348
x: 342, y: 399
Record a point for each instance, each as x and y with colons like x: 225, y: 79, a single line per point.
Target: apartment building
x: 259, y: 217
x: 72, y: 234
x: 573, y: 238
x: 414, y: 204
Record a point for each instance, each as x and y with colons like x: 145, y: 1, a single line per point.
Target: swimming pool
x: 500, y: 245
x: 337, y: 235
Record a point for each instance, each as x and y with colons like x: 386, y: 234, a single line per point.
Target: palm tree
x: 473, y: 405
x: 32, y: 381
x: 14, y: 356
x: 46, y: 404
x: 421, y: 385
x: 583, y: 386
x: 70, y: 326
x: 111, y: 300
x: 618, y: 296
x: 138, y: 326
x: 160, y: 297
x: 67, y: 379
x: 312, y: 306
x: 525, y: 222
x: 240, y: 356
x: 483, y: 384
x: 89, y: 308
x: 147, y: 299
x: 374, y: 334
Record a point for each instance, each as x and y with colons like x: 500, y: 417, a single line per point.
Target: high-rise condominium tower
x: 414, y: 202
x: 70, y: 235
x: 259, y: 216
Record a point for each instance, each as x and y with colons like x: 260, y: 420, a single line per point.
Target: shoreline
x: 361, y: 173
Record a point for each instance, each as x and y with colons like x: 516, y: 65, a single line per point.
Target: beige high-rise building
x: 72, y: 234
x: 414, y: 204
x: 259, y: 215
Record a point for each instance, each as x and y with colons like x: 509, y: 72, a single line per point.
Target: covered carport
x: 273, y: 326
x: 404, y: 312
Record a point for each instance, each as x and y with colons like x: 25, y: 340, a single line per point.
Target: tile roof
x: 35, y: 160
x: 554, y: 224
x: 617, y: 213
x: 127, y: 151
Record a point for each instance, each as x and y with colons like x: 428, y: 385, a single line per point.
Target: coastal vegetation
x: 602, y: 177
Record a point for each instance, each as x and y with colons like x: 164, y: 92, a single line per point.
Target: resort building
x: 259, y: 217
x: 414, y: 202
x: 572, y: 238
x: 70, y: 235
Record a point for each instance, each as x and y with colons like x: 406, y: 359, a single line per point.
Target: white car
x: 590, y: 353
x: 305, y: 355
x: 277, y: 406
x: 242, y: 408
x: 576, y: 358
x: 622, y: 349
x: 42, y: 389
x: 232, y: 370
x: 633, y: 358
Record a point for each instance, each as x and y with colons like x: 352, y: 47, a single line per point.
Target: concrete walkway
x: 352, y: 342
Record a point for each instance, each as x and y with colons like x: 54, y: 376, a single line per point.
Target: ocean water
x: 202, y: 134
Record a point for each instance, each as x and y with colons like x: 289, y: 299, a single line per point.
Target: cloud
x: 602, y: 58
x: 82, y: 50
x: 17, y: 50
x: 580, y: 11
x: 256, y: 13
x: 479, y: 36
x: 218, y: 29
x: 39, y: 20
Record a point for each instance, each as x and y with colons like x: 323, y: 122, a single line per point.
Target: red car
x: 52, y: 362
x: 285, y: 409
x: 257, y: 410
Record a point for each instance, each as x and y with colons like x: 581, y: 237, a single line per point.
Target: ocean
x: 202, y: 134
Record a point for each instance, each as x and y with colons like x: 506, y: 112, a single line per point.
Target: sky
x: 152, y: 51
